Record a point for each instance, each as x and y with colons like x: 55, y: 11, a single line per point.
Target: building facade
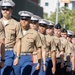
x: 50, y: 6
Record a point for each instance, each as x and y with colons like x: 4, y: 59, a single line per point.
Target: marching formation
x: 34, y: 46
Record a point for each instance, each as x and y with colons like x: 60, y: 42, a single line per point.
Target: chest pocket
x: 10, y: 33
x: 48, y: 45
x: 30, y: 41
x: 56, y: 43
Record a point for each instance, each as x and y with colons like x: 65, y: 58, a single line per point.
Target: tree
x: 66, y: 17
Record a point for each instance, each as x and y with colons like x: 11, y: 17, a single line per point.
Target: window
x: 46, y: 4
x: 73, y: 5
x: 66, y: 4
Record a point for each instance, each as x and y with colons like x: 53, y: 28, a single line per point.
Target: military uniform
x: 2, y: 37
x: 29, y: 39
x: 59, y: 48
x: 11, y: 32
x: 51, y: 47
x: 65, y: 46
x: 71, y: 54
x: 34, y: 25
x: 42, y: 23
x: 2, y: 32
x: 70, y: 51
x: 11, y: 27
x: 73, y: 42
x: 72, y: 71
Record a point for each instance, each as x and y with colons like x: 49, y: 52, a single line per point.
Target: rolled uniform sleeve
x: 53, y: 46
x: 18, y: 27
x: 69, y: 48
x: 60, y: 46
x: 2, y: 36
x: 38, y: 42
x: 43, y: 39
x: 20, y: 35
x: 73, y: 51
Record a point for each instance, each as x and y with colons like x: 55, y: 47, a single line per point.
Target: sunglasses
x: 34, y: 22
x: 24, y: 19
x: 6, y: 8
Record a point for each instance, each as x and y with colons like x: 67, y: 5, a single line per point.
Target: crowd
x: 34, y: 46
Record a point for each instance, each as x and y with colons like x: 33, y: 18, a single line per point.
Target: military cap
x: 50, y: 25
x: 43, y: 22
x: 7, y: 3
x: 73, y: 36
x: 70, y: 33
x: 25, y: 14
x: 58, y: 26
x: 64, y: 30
x: 35, y: 19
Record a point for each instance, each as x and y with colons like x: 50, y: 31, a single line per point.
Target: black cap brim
x: 6, y: 7
x: 25, y: 17
x: 42, y: 24
x: 70, y: 36
x: 57, y: 27
x: 34, y: 21
x: 73, y: 36
x: 50, y: 26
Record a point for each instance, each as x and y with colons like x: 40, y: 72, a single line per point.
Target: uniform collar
x: 9, y: 21
x: 28, y: 32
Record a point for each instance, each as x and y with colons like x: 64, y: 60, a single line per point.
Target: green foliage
x: 66, y: 17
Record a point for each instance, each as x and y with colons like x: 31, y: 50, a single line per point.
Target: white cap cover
x: 7, y: 3
x: 25, y: 13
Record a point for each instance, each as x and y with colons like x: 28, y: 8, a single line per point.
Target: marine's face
x: 49, y: 31
x: 42, y: 29
x: 69, y: 39
x: 57, y: 32
x: 6, y: 12
x: 64, y: 35
x: 73, y: 41
x: 34, y: 26
x: 25, y: 22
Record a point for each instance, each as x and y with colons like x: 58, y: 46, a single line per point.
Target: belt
x: 25, y: 53
x: 48, y: 56
x: 8, y: 49
x: 35, y: 53
x: 67, y: 55
x: 58, y: 60
x: 67, y: 63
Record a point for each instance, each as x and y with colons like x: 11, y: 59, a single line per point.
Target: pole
x: 64, y: 26
x: 57, y: 11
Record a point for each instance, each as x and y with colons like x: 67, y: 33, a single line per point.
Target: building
x: 70, y: 5
x: 50, y: 6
